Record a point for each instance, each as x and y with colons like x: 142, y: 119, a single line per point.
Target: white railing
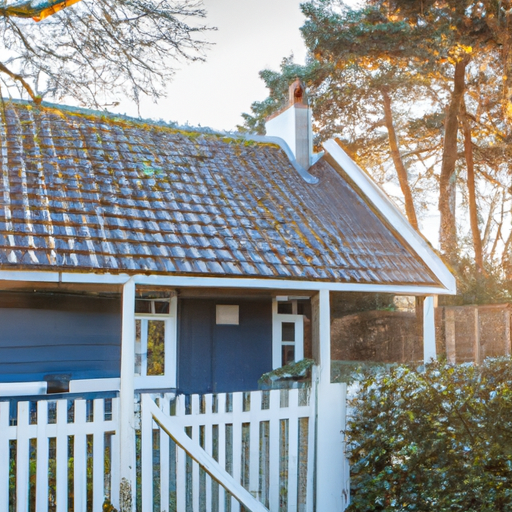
x: 262, y: 441
x: 58, y: 454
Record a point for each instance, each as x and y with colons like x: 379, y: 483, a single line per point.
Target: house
x: 149, y: 276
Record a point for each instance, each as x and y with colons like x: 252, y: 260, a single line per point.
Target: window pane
x: 138, y: 348
x: 156, y: 347
x: 142, y: 306
x: 161, y: 307
x: 288, y: 354
x: 284, y: 308
x: 288, y: 331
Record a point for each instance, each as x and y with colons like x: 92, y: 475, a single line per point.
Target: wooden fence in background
x: 472, y: 333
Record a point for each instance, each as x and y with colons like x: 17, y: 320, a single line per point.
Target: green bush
x: 438, y: 438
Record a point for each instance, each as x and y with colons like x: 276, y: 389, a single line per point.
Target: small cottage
x: 149, y: 277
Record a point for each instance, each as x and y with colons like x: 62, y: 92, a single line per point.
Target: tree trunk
x: 473, y: 211
x: 397, y: 160
x: 448, y: 230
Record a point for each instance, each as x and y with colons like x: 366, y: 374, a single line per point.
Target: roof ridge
x: 115, y: 117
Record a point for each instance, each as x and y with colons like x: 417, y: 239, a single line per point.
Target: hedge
x: 434, y: 438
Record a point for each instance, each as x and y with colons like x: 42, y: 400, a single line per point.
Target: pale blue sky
x: 251, y: 36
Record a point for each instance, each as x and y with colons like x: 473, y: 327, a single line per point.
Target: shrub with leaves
x: 437, y: 438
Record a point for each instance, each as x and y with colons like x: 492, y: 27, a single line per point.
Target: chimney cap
x: 296, y: 93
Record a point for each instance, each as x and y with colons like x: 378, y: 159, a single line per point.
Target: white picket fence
x: 210, y: 453
x: 264, y: 440
x: 56, y: 454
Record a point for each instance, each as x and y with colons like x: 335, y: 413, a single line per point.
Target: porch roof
x: 90, y: 192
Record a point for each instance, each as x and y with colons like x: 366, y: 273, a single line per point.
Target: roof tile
x: 107, y: 194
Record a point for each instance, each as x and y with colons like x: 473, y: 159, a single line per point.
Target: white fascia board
x: 394, y: 216
x: 228, y: 282
x: 62, y: 277
x: 75, y: 277
x: 273, y: 284
x: 22, y: 275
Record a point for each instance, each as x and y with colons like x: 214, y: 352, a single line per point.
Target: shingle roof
x: 94, y: 193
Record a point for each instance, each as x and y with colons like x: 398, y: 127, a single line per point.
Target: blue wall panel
x: 44, y: 334
x: 223, y: 358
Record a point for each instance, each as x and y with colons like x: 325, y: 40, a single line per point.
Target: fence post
x: 331, y: 481
x: 126, y: 425
x: 506, y: 330
x: 429, y: 330
x: 476, y: 326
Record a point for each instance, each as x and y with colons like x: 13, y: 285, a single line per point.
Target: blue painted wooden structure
x: 44, y: 334
x: 223, y: 358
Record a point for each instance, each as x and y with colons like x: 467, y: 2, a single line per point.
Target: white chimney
x: 293, y: 125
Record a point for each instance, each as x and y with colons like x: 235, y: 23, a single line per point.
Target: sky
x: 250, y: 36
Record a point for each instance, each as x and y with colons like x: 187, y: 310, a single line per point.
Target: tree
x: 433, y: 74
x: 98, y: 51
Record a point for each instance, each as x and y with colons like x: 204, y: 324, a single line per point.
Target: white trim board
x: 392, y: 214
x: 219, y: 282
x: 75, y: 386
x: 22, y: 388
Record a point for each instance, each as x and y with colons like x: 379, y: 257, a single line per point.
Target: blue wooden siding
x: 223, y: 358
x: 45, y: 334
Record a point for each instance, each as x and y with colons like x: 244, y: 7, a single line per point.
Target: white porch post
x: 429, y: 329
x: 331, y: 468
x: 126, y: 413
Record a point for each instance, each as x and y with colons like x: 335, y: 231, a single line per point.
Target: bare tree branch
x: 98, y: 51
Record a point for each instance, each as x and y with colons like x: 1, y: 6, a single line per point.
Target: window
x: 288, y: 332
x: 155, y: 343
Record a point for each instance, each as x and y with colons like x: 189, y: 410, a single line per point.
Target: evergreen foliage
x: 420, y: 94
x: 438, y: 438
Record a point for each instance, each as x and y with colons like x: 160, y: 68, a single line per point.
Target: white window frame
x: 168, y: 379
x: 277, y: 332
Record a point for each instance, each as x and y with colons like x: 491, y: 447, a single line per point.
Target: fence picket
x: 164, y: 472
x: 274, y: 436
x: 80, y: 456
x: 98, y: 455
x: 4, y: 455
x: 181, y: 479
x: 22, y: 457
x: 293, y: 448
x: 42, y: 458
x: 62, y: 456
x: 114, y: 457
x: 221, y: 410
x: 147, y: 460
x: 238, y: 400
x: 208, y: 446
x: 254, y: 444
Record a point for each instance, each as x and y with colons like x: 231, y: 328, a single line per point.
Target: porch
x: 136, y: 440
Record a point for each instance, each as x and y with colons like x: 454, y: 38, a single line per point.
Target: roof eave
x: 219, y: 282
